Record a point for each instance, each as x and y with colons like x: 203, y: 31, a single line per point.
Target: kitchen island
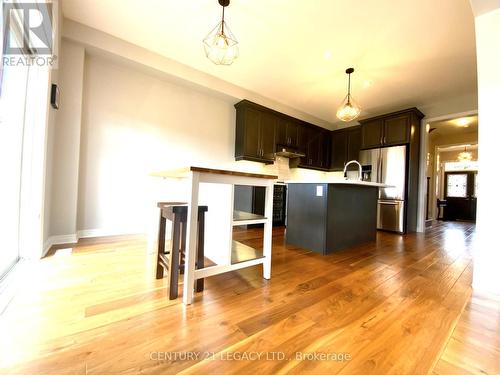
x: 330, y: 216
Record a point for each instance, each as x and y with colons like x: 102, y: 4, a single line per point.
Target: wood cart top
x: 179, y: 173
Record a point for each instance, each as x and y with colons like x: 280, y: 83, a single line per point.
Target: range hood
x: 288, y: 152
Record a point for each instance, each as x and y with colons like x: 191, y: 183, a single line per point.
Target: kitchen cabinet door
x: 251, y: 140
x: 268, y: 126
x: 353, y: 144
x: 281, y: 132
x: 292, y: 133
x: 372, y: 134
x: 397, y: 130
x: 287, y: 132
x: 339, y: 150
x: 303, y: 144
x: 325, y: 151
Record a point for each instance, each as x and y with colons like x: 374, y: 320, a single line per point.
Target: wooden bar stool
x: 172, y: 260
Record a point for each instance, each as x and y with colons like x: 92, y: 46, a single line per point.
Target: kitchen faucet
x: 360, y: 169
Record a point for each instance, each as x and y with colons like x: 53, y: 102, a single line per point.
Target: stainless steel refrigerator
x: 388, y: 165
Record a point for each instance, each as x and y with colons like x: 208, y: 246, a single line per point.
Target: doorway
x: 450, y: 169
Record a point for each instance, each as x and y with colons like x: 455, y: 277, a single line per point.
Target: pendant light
x: 348, y: 110
x: 221, y: 47
x: 465, y: 155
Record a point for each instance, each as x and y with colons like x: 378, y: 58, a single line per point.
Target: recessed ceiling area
x: 405, y: 53
x: 466, y: 124
x: 469, y: 147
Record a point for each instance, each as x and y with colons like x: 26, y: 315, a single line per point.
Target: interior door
x: 460, y: 196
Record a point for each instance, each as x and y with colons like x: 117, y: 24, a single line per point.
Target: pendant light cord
x: 223, y: 7
x: 349, y: 89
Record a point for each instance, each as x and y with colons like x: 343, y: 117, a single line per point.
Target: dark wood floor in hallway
x: 386, y: 307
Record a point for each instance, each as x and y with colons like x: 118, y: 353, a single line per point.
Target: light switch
x: 319, y: 191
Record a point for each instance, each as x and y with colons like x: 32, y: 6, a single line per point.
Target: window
x: 452, y: 166
x: 13, y: 92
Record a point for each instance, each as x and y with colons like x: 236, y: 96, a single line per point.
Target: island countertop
x: 339, y: 181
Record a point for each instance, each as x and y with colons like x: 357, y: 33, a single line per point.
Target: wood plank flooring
x: 391, y: 307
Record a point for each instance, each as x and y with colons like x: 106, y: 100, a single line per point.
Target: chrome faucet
x: 360, y: 169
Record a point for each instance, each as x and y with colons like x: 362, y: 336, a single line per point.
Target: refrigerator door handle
x: 390, y: 202
x: 380, y: 165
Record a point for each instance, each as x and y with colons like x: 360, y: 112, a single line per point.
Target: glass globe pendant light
x: 221, y: 46
x: 465, y: 155
x: 348, y: 110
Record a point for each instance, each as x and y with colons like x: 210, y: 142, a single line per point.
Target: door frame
x: 424, y: 146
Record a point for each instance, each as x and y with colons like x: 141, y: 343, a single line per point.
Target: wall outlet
x: 319, y: 191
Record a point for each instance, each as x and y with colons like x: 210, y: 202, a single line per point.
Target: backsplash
x: 282, y: 169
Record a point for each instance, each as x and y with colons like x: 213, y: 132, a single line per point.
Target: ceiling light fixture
x: 465, y: 155
x: 221, y: 47
x: 348, y: 110
x: 463, y: 122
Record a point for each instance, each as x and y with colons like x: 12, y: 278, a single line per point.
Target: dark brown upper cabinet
x: 372, y: 134
x: 353, y: 143
x: 345, y: 146
x: 315, y: 143
x: 287, y: 132
x: 397, y: 130
x: 259, y: 130
x: 255, y: 134
x: 388, y: 130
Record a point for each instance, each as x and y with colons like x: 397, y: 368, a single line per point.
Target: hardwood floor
x: 394, y: 306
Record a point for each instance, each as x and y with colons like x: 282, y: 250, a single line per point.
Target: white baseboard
x: 89, y: 233
x: 86, y: 233
x: 58, y: 240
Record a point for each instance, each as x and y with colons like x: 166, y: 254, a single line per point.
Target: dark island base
x: 345, y: 215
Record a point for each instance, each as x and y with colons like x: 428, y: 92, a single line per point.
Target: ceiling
x: 469, y: 147
x: 405, y: 53
x: 467, y: 124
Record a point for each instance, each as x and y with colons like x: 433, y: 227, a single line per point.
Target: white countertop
x: 339, y: 181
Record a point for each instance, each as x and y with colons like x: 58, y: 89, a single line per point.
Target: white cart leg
x: 268, y: 231
x: 191, y: 235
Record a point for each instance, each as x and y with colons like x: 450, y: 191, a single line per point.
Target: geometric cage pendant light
x: 221, y: 46
x: 348, y: 110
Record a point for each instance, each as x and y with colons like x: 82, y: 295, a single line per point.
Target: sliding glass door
x: 12, y: 111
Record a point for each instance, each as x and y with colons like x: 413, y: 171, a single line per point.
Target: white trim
x: 58, y: 240
x: 89, y: 233
x: 10, y: 284
x: 73, y: 238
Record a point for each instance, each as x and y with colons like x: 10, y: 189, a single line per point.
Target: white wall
x: 66, y: 148
x: 488, y: 57
x: 133, y: 122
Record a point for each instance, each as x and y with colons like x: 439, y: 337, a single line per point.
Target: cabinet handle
x: 384, y: 139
